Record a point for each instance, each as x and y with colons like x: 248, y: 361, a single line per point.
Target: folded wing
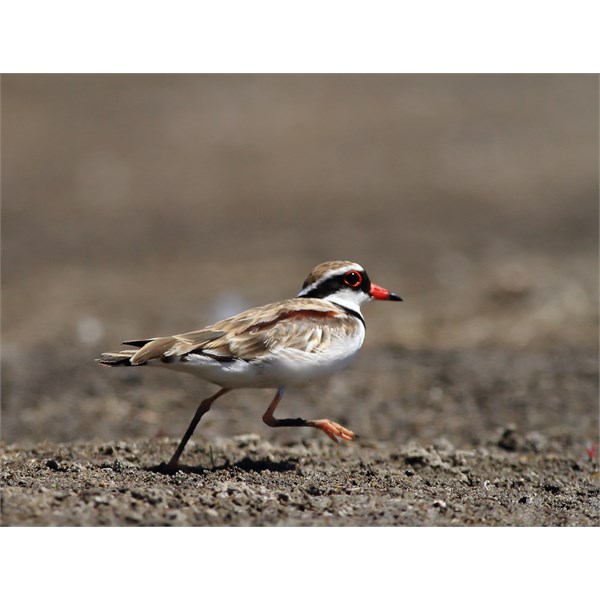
x: 301, y: 324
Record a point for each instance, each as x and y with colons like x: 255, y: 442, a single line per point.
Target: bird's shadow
x: 246, y: 464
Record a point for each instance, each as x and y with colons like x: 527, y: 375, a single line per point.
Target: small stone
x: 536, y: 441
x: 247, y: 439
x: 553, y: 488
x: 508, y: 439
x: 443, y: 445
x: 416, y: 457
x: 133, y: 517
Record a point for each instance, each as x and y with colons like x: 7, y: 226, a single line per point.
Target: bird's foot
x: 334, y: 430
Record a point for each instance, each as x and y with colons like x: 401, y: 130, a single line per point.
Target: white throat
x: 351, y: 299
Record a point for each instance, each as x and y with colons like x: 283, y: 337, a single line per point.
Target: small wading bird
x: 285, y: 343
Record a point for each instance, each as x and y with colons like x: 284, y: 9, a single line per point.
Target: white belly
x: 283, y: 366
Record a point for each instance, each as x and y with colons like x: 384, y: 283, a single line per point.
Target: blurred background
x: 137, y: 206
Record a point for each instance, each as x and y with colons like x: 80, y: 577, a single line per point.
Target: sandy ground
x: 144, y: 206
x: 249, y: 481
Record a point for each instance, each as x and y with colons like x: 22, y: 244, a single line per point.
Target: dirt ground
x: 137, y: 206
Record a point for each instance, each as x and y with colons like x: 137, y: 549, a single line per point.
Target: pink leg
x: 333, y: 430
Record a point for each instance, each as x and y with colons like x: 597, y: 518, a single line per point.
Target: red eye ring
x: 353, y: 279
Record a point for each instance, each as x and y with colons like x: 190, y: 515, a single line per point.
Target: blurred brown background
x: 138, y: 206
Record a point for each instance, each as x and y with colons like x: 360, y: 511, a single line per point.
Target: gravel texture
x: 251, y: 482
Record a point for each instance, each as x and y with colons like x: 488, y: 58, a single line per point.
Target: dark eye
x: 353, y: 278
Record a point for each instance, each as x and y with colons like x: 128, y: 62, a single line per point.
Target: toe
x: 335, y: 430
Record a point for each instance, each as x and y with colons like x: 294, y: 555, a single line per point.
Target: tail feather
x: 116, y: 359
x: 138, y: 343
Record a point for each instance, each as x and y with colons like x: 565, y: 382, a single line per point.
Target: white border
x: 299, y: 563
x: 311, y: 36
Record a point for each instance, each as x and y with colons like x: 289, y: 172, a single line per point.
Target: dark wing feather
x: 173, y: 346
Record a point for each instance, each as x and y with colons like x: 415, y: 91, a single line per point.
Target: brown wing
x: 297, y: 323
x: 300, y: 330
x: 166, y: 347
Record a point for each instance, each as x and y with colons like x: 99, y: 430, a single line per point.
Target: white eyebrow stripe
x: 328, y: 275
